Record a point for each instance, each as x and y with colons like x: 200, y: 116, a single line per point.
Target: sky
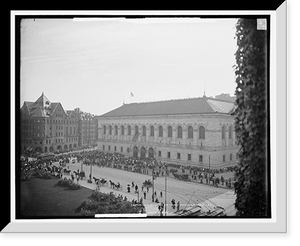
x: 95, y: 65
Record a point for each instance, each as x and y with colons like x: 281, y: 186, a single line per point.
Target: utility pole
x: 82, y: 159
x: 91, y: 170
x: 166, y: 191
x: 153, y: 185
x: 209, y: 169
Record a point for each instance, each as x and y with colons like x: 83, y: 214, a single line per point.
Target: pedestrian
x: 173, y: 203
x: 161, y: 194
x: 222, y: 180
x: 145, y: 195
x: 161, y: 209
x: 147, y: 189
x: 142, y: 188
x: 162, y: 206
x: 154, y: 193
x: 178, y: 206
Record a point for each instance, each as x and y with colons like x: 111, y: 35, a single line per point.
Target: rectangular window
x: 159, y: 153
x: 189, y: 157
x: 121, y: 149
x: 178, y: 156
x: 200, y: 158
x: 224, y: 158
x: 103, y: 147
x: 169, y: 155
x: 115, y: 148
x: 108, y: 147
x: 230, y: 157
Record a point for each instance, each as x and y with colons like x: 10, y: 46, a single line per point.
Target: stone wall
x: 190, y: 149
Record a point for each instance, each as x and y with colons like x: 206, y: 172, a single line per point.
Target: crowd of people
x: 149, y: 166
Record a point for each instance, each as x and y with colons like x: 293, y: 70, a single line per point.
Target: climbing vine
x: 251, y: 120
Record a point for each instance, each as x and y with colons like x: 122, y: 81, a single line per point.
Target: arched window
x: 136, y: 129
x: 129, y: 130
x: 223, y: 132
x: 151, y: 131
x: 151, y: 153
x: 122, y: 130
x: 230, y: 132
x: 201, y: 132
x: 170, y: 132
x: 190, y: 132
x: 110, y: 130
x: 160, y: 131
x: 116, y: 130
x: 179, y: 132
x: 144, y: 131
x: 104, y: 130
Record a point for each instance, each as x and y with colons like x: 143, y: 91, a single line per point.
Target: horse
x: 112, y: 184
x: 103, y: 181
x: 118, y: 186
x: 66, y: 171
x: 82, y: 174
x: 96, y: 180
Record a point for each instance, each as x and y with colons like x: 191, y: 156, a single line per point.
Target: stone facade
x: 186, y: 139
x: 87, y: 128
x: 46, y: 127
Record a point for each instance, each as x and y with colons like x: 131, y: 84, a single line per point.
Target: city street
x: 187, y: 193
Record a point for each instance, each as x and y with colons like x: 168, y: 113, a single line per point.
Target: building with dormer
x: 46, y: 127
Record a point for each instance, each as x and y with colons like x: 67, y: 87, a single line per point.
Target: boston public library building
x: 194, y: 131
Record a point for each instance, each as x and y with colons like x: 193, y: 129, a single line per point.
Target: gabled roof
x: 201, y: 105
x: 42, y: 107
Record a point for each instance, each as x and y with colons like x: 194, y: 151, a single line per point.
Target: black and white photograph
x: 143, y: 117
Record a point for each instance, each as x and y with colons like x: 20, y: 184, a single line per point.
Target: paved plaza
x: 187, y: 193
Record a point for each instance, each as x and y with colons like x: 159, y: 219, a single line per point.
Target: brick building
x: 87, y: 127
x: 46, y: 127
x: 196, y: 131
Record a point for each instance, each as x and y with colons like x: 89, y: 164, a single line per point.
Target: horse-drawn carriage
x: 147, y: 183
x: 101, y: 181
x: 66, y: 171
x: 115, y: 186
x: 80, y: 174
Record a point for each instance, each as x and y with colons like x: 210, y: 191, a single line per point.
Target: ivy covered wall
x: 251, y: 124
